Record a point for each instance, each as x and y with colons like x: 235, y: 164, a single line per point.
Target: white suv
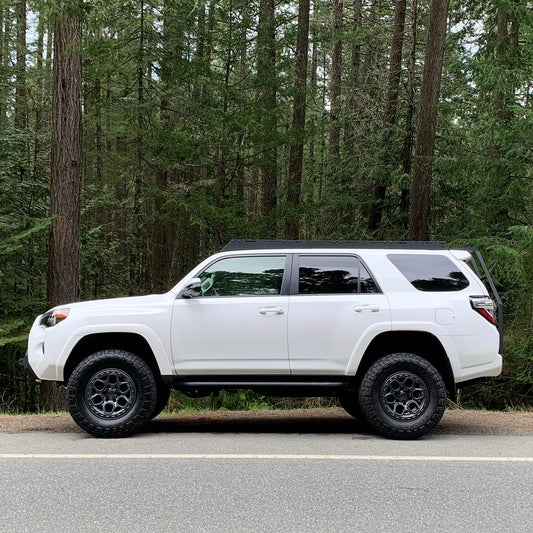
x: 388, y: 328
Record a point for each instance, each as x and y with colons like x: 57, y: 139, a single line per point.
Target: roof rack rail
x: 265, y: 244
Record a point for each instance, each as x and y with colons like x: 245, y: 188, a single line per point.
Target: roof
x: 265, y: 244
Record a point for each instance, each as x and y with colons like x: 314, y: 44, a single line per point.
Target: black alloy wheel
x: 112, y: 393
x: 402, y: 396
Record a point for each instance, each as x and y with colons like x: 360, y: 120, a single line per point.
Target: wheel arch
x: 421, y: 343
x: 92, y: 343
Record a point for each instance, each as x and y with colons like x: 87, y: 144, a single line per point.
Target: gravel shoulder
x: 302, y: 421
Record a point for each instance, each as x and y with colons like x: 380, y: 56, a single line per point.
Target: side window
x: 244, y: 276
x: 430, y: 273
x: 321, y: 274
x: 366, y: 283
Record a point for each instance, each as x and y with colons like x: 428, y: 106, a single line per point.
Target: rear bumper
x: 493, y: 368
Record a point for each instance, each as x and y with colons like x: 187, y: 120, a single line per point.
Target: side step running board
x: 272, y: 388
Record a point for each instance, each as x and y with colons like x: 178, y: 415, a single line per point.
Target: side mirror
x: 193, y: 289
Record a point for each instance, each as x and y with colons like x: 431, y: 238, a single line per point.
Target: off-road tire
x: 402, y: 396
x: 112, y: 393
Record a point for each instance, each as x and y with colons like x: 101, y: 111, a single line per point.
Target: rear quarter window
x: 430, y: 273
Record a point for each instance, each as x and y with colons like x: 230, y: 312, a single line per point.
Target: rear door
x: 334, y: 303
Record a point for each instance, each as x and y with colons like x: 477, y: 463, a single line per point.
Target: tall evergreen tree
x: 66, y: 169
x: 427, y: 121
x: 390, y: 111
x: 298, y: 115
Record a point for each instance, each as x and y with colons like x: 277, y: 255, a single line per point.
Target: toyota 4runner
x: 388, y: 328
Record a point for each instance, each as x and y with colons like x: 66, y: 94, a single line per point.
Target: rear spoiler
x: 483, y: 274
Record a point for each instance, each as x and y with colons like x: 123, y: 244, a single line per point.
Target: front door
x: 239, y: 323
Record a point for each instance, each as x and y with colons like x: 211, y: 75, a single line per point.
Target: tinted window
x: 332, y: 275
x: 243, y: 276
x: 367, y: 284
x: 430, y: 272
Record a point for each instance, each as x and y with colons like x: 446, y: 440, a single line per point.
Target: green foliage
x: 242, y: 401
x: 16, y: 242
x: 175, y: 144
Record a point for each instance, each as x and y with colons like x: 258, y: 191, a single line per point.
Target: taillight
x: 484, y: 306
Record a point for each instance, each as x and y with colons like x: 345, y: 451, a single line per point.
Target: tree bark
x: 501, y: 51
x: 355, y: 62
x: 506, y: 56
x: 39, y: 97
x: 66, y: 172
x: 391, y: 106
x: 240, y: 169
x: 163, y: 229
x: 266, y: 73
x: 298, y: 117
x: 21, y: 116
x: 313, y: 88
x: 4, y: 55
x: 336, y: 78
x: 137, y: 249
x: 427, y: 121
x: 407, y: 150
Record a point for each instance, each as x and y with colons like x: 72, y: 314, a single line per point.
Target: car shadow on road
x: 297, y: 422
x: 333, y: 421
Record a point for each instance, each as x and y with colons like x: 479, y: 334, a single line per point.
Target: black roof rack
x: 264, y: 244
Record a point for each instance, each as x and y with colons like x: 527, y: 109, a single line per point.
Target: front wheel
x: 402, y: 396
x: 112, y: 393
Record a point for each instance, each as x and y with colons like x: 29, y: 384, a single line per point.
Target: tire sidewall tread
x: 136, y: 417
x: 370, y: 389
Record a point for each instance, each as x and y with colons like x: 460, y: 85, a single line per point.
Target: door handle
x: 366, y: 308
x: 271, y: 310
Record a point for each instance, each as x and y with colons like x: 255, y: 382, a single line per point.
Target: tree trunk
x: 137, y: 249
x: 407, y: 150
x: 313, y: 90
x: 355, y: 62
x: 21, y: 118
x: 243, y: 56
x: 39, y: 99
x: 501, y: 52
x: 391, y: 106
x: 336, y: 78
x: 221, y: 189
x: 298, y: 117
x: 266, y: 73
x: 21, y: 104
x: 4, y: 54
x: 162, y: 219
x: 506, y: 55
x: 66, y: 173
x: 427, y: 121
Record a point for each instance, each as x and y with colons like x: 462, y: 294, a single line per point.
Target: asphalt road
x: 319, y: 478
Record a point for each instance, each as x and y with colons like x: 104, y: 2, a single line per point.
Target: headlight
x: 53, y: 317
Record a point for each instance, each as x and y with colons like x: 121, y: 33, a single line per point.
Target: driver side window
x: 244, y: 276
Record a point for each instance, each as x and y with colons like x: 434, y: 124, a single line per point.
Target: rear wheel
x: 112, y: 393
x: 402, y: 396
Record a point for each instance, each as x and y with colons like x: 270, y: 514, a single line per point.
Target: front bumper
x: 23, y: 361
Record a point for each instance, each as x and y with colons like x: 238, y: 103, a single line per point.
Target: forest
x: 139, y: 136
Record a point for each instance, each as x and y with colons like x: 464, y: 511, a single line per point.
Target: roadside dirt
x: 300, y: 421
